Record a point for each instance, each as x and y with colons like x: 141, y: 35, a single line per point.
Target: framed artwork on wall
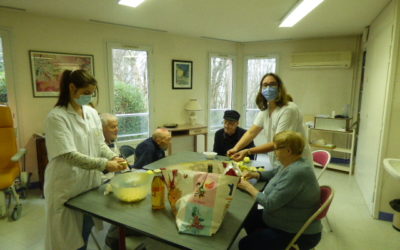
x: 182, y: 74
x: 47, y: 68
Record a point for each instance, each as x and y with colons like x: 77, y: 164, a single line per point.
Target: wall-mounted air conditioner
x: 336, y: 59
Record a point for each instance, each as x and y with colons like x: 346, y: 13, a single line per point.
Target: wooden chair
x: 326, y: 200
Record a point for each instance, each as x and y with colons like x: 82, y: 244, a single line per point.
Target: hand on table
x: 250, y: 175
x: 248, y: 187
x: 117, y: 164
x: 231, y: 152
x: 239, y: 155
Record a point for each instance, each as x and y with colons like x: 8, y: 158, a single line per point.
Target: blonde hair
x: 290, y: 139
x: 160, y: 133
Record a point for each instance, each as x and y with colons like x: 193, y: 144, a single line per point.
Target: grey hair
x: 106, y: 117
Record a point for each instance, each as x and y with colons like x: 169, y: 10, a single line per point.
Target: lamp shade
x: 193, y: 105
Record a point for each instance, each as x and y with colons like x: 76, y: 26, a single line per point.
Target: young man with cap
x: 227, y: 137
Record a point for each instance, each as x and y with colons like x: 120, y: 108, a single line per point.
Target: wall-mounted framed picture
x: 182, y: 74
x: 47, y: 68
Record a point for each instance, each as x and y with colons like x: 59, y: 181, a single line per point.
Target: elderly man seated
x: 227, y: 137
x: 110, y: 130
x: 152, y: 149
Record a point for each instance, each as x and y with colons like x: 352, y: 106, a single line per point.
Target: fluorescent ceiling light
x: 300, y: 11
x: 131, y: 3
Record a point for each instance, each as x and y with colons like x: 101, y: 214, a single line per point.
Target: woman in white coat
x: 77, y: 155
x: 277, y: 114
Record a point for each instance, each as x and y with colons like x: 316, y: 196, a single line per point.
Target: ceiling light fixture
x: 131, y: 3
x: 298, y: 12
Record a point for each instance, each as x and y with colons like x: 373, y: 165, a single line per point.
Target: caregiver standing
x: 77, y: 155
x: 277, y: 114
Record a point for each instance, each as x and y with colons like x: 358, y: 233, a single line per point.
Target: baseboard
x: 385, y: 216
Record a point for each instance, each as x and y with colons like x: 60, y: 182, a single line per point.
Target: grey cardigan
x: 291, y: 197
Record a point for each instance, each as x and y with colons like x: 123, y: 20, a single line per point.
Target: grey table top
x: 161, y: 225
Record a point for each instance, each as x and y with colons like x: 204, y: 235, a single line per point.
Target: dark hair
x: 282, y: 99
x: 80, y: 78
x: 289, y: 97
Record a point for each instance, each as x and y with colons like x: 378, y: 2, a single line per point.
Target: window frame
x: 8, y: 68
x: 245, y: 74
x: 234, y: 83
x: 110, y: 75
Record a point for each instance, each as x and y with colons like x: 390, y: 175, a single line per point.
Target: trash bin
x: 395, y: 204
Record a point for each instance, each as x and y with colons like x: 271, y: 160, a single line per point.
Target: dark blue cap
x: 231, y: 115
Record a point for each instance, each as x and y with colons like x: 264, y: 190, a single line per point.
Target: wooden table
x: 189, y: 130
x: 160, y: 225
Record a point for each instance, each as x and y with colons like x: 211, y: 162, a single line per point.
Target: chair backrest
x: 8, y: 139
x: 321, y: 157
x: 326, y: 194
x: 326, y: 200
x: 8, y: 148
x: 126, y: 151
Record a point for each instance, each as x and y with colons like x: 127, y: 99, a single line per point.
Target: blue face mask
x: 83, y: 99
x: 270, y: 93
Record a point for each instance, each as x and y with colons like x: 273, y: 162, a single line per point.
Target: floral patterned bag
x: 199, y: 194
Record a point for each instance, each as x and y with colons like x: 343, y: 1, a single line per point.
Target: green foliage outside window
x: 3, y: 86
x: 130, y: 99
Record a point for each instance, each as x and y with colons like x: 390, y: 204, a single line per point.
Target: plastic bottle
x: 157, y: 191
x: 210, y: 168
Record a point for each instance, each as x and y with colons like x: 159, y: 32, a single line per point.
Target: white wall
x: 390, y: 188
x: 376, y: 98
x: 315, y: 90
x: 31, y: 32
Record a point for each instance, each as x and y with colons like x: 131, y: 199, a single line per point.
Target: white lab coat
x: 282, y: 118
x: 67, y: 131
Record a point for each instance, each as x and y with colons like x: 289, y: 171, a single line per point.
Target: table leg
x: 205, y: 142
x: 170, y: 148
x: 195, y: 143
x: 122, y: 245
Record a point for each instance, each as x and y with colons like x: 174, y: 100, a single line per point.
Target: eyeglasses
x: 271, y: 84
x: 280, y: 147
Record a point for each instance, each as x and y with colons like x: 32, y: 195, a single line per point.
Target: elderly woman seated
x: 291, y: 196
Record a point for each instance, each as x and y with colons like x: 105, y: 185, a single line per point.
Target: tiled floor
x: 352, y: 226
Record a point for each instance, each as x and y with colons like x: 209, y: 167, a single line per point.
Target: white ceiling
x: 235, y: 20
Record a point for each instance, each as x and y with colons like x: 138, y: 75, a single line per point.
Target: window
x: 256, y: 68
x: 221, y: 88
x: 3, y: 85
x: 130, y: 92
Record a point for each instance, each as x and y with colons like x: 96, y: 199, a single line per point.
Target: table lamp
x: 192, y: 106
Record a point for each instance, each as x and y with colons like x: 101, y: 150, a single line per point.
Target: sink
x: 392, y: 166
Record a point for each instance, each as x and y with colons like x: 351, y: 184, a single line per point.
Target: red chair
x: 321, y: 158
x: 326, y: 200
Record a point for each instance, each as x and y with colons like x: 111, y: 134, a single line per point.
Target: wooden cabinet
x: 339, y: 143
x: 42, y: 160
